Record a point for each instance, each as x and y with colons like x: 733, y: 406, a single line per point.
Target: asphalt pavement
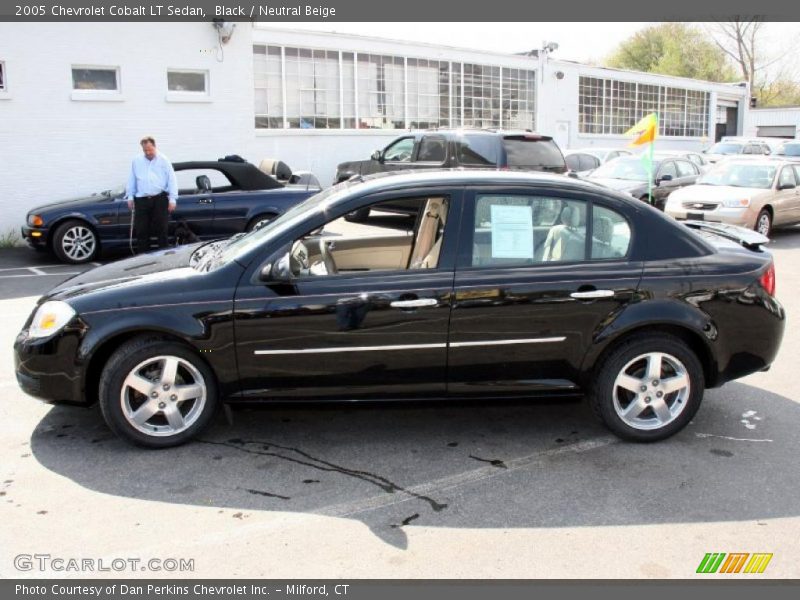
x: 468, y: 490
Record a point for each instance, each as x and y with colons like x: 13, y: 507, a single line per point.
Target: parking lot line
x: 60, y: 273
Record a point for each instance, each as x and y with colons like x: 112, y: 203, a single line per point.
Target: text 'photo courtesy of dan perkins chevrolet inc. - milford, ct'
x: 171, y: 10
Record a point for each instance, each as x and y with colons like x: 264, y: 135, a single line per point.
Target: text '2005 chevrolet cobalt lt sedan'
x: 504, y: 284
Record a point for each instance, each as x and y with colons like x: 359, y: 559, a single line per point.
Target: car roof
x: 244, y: 175
x: 430, y: 177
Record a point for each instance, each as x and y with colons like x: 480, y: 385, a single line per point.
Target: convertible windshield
x: 627, y: 168
x: 726, y: 148
x: 739, y: 174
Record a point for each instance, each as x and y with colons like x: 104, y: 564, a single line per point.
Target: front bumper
x: 48, y: 368
x: 742, y: 217
x: 35, y: 236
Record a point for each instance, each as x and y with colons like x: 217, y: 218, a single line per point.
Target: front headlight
x: 50, y: 317
x: 736, y: 202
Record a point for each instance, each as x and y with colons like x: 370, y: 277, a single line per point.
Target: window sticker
x: 512, y: 232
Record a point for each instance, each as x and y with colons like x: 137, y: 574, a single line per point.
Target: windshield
x: 629, y: 169
x: 225, y: 251
x: 737, y: 174
x: 790, y: 150
x: 726, y: 148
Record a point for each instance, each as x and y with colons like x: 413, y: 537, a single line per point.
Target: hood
x: 713, y: 193
x: 104, y: 196
x: 620, y: 185
x: 129, y: 273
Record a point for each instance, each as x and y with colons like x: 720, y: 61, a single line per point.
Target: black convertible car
x: 216, y: 199
x: 508, y: 284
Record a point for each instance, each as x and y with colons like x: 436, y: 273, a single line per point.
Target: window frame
x: 190, y: 93
x: 411, y: 157
x: 3, y: 78
x: 463, y: 263
x: 86, y: 67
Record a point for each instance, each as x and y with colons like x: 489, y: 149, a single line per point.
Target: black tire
x: 75, y: 242
x: 763, y: 223
x: 258, y: 219
x: 685, y: 403
x: 131, y: 355
x: 358, y: 216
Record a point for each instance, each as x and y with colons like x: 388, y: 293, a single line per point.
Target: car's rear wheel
x: 157, y: 393
x: 648, y: 388
x: 764, y: 223
x: 259, y: 222
x: 75, y: 242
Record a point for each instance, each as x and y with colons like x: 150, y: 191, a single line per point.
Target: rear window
x: 533, y: 154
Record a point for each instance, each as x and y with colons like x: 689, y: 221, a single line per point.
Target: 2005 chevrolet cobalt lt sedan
x: 504, y: 284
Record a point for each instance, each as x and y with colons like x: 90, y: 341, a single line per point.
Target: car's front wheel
x: 648, y: 388
x: 157, y: 393
x: 75, y: 242
x: 764, y: 223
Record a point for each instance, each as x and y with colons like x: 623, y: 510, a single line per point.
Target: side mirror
x: 377, y: 155
x: 663, y: 178
x: 786, y: 186
x: 277, y: 271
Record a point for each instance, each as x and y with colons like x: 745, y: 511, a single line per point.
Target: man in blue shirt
x: 152, y: 193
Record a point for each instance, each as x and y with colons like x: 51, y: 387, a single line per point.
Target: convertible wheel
x: 648, y: 388
x: 157, y: 394
x: 75, y: 242
x: 764, y: 223
x: 258, y: 222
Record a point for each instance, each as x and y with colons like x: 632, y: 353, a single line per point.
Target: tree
x: 673, y: 49
x: 771, y: 74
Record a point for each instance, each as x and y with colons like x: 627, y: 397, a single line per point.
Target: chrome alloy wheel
x: 79, y: 243
x: 763, y: 224
x: 651, y: 391
x: 163, y: 396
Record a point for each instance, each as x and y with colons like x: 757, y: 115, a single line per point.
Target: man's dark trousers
x: 150, y: 219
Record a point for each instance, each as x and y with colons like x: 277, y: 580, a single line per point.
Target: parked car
x: 585, y: 160
x: 790, y: 150
x: 629, y: 174
x: 216, y: 199
x: 758, y: 194
x: 773, y: 143
x: 511, y: 285
x: 695, y: 157
x: 725, y: 149
x: 459, y: 148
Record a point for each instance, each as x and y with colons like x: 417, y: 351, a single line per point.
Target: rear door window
x: 432, y: 149
x: 478, y: 150
x: 533, y: 153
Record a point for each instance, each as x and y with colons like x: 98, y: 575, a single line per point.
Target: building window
x: 104, y: 79
x: 612, y: 107
x: 311, y: 89
x: 195, y: 82
x: 3, y: 85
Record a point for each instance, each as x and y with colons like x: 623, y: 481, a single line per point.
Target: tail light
x: 767, y: 279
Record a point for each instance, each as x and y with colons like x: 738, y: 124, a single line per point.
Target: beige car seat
x: 565, y: 242
x: 426, y: 251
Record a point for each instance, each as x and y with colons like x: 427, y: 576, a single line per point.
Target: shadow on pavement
x: 489, y: 465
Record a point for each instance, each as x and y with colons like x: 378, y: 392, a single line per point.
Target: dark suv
x: 459, y: 148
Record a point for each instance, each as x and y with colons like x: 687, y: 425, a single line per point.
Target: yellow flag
x: 644, y: 131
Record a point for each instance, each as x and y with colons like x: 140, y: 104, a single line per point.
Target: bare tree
x: 745, y: 41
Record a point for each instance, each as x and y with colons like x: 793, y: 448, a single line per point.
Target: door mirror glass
x: 664, y: 178
x: 377, y: 155
x: 277, y: 271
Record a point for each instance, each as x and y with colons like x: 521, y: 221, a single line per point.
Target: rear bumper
x: 742, y: 217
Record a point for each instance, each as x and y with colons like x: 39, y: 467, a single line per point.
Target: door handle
x: 205, y: 201
x: 418, y: 303
x: 590, y: 295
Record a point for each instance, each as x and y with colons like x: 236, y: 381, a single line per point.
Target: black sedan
x: 629, y: 174
x: 216, y: 199
x: 507, y: 285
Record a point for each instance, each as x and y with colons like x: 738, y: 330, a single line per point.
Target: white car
x: 758, y: 194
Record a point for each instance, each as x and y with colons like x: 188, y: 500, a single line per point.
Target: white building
x: 76, y: 98
x: 781, y: 122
